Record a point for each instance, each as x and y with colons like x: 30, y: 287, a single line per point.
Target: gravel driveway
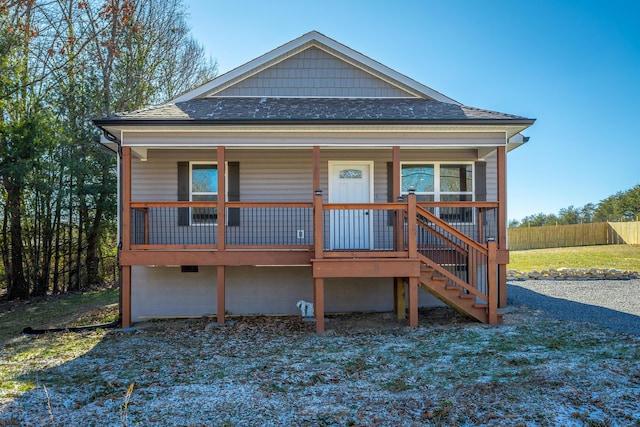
x: 612, y: 303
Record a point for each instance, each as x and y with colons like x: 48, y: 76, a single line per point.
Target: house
x: 312, y: 173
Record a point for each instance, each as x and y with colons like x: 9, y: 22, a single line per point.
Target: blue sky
x: 572, y: 65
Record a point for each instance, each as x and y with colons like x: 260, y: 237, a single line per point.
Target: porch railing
x: 363, y: 227
x: 173, y: 225
x: 342, y: 227
x: 192, y: 225
x: 465, y: 263
x: 269, y: 224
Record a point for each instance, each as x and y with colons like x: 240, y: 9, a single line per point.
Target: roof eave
x: 306, y: 122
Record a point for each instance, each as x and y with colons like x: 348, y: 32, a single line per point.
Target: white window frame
x: 436, y: 193
x: 191, y: 192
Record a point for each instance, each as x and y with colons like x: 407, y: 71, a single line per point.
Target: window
x: 205, y: 177
x: 441, y: 182
x: 421, y: 178
x: 350, y: 174
x: 456, y: 185
x: 204, y: 188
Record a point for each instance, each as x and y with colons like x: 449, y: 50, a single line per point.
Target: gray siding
x: 492, y: 177
x: 156, y: 179
x: 275, y: 175
x: 314, y: 73
x: 282, y: 175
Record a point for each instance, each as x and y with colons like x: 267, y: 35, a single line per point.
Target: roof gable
x: 325, y: 49
x: 342, y: 88
x: 314, y: 73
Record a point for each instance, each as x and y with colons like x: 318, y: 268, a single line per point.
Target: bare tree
x: 62, y: 64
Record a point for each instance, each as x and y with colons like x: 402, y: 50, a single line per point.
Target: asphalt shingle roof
x: 310, y: 109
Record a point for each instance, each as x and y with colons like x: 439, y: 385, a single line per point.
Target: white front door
x: 351, y: 182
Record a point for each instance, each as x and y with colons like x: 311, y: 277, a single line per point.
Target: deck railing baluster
x: 345, y: 226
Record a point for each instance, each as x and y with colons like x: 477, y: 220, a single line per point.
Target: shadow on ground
x: 565, y: 309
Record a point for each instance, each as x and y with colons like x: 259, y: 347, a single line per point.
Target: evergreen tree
x: 62, y: 64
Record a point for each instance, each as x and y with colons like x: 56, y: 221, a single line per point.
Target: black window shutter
x: 183, y: 192
x: 481, y: 181
x: 233, y: 192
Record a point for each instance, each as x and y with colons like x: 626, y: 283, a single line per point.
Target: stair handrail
x: 462, y: 237
x: 457, y: 233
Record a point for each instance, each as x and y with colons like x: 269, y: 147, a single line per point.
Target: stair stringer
x: 454, y: 297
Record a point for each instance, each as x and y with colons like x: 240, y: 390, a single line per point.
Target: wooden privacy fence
x: 558, y: 236
x: 625, y: 232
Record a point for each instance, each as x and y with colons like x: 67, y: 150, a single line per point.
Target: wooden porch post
x: 125, y: 295
x: 399, y: 296
x: 125, y: 287
x: 318, y: 303
x: 412, y: 225
x: 502, y: 223
x: 126, y: 198
x: 222, y: 195
x: 220, y: 285
x: 413, y: 301
x: 412, y: 243
x: 318, y: 234
x: 492, y: 287
x: 222, y: 228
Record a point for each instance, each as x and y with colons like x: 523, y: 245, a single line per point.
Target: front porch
x: 404, y: 239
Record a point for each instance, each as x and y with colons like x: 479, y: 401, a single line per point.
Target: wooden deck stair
x: 453, y: 295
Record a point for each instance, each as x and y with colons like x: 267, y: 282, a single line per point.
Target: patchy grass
x: 621, y: 257
x: 367, y: 370
x: 94, y: 307
x: 22, y: 357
